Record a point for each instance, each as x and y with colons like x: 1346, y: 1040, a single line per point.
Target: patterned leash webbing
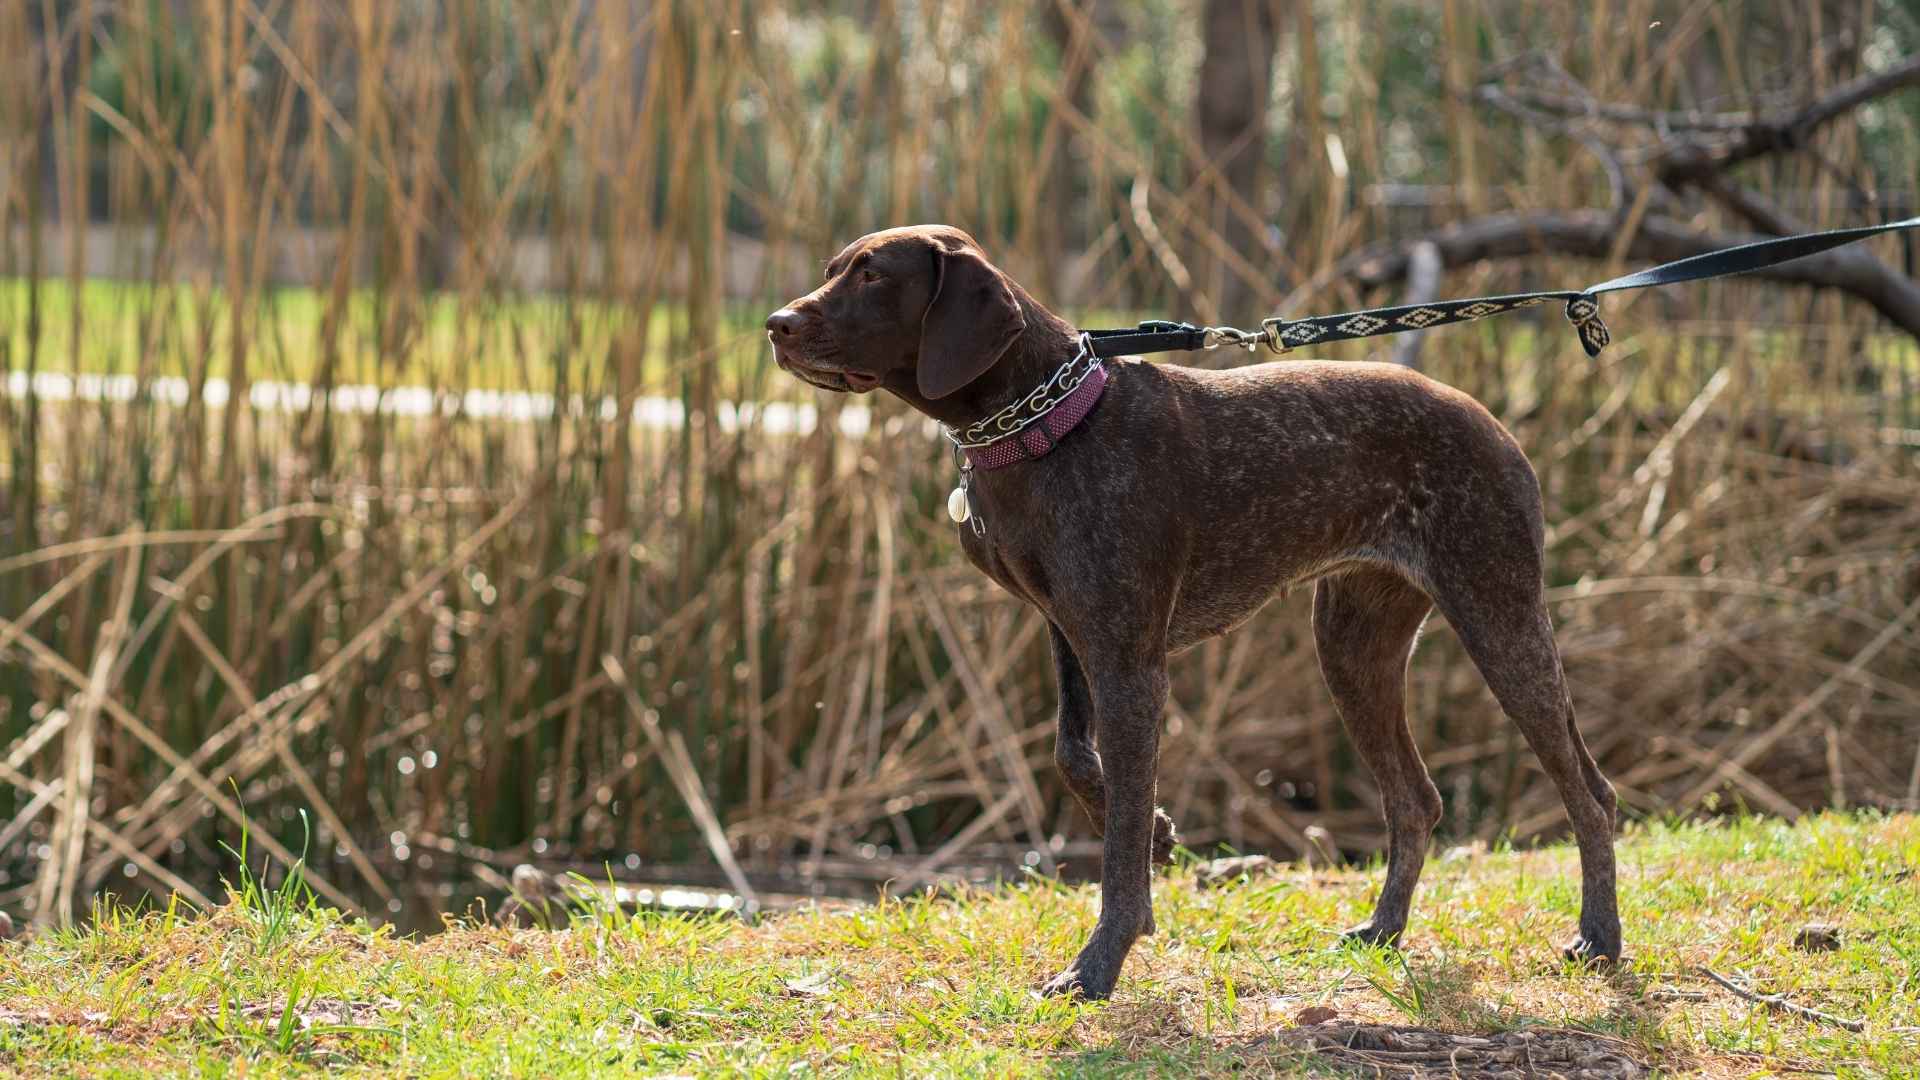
x: 1582, y: 309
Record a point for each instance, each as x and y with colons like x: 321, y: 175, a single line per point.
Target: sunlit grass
x: 534, y: 343
x: 539, y: 343
x: 549, y: 343
x: 943, y: 985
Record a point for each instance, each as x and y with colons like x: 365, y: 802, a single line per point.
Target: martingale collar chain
x: 1028, y: 428
x: 1033, y: 425
x: 1030, y: 413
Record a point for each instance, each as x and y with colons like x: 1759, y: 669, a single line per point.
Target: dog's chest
x: 1009, y: 567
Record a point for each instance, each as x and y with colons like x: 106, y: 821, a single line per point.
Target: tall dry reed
x: 215, y: 617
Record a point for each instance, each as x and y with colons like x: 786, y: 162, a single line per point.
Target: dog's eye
x: 869, y: 276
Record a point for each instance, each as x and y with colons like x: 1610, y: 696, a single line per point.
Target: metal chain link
x: 1033, y: 408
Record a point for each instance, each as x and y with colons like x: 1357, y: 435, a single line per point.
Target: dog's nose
x: 785, y: 321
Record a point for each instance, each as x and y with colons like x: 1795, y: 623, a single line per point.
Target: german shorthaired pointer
x: 1143, y: 508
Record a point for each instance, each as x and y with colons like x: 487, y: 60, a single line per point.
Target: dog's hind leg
x: 1074, y: 753
x: 1501, y: 618
x: 1364, y: 624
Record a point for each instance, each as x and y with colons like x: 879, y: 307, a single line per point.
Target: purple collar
x: 1031, y: 427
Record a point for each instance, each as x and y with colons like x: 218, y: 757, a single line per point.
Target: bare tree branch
x: 1716, y: 143
x: 1758, y: 212
x: 1721, y: 140
x: 1516, y: 106
x: 1592, y: 234
x: 1567, y: 105
x: 1685, y: 161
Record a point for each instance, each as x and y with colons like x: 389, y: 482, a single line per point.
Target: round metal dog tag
x: 957, y: 507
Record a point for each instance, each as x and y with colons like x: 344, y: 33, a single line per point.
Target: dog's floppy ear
x: 970, y: 321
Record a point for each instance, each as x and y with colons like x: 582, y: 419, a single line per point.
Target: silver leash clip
x: 1269, y: 334
x: 1270, y: 331
x: 1213, y: 337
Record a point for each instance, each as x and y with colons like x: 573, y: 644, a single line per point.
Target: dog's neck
x: 1047, y: 342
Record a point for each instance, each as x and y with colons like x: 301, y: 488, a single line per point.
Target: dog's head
x: 918, y: 310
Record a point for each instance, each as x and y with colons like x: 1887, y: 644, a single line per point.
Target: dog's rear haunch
x: 1184, y: 501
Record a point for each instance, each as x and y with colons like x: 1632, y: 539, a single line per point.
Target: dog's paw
x: 1593, y: 952
x: 1164, y: 838
x: 1074, y: 983
x: 1065, y: 984
x: 1372, y: 933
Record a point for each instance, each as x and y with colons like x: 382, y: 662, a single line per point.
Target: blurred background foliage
x: 374, y: 369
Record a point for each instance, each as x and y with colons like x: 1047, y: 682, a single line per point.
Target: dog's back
x: 1294, y: 468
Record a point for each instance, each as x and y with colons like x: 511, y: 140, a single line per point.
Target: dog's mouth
x: 815, y: 373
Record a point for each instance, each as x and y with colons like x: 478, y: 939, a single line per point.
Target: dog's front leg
x: 1129, y: 698
x: 1074, y: 753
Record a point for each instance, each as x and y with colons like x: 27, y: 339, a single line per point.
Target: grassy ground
x: 499, y: 344
x: 943, y: 985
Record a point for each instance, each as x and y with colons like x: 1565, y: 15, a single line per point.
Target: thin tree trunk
x: 1053, y: 222
x: 1236, y: 80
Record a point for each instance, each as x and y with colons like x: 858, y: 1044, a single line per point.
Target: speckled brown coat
x: 1184, y: 502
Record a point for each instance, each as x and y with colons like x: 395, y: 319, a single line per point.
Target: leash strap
x: 1154, y: 335
x: 1582, y: 308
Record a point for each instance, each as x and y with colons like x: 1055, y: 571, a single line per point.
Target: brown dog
x: 1178, y: 504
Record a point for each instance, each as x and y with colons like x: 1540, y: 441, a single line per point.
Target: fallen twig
x: 1781, y: 1004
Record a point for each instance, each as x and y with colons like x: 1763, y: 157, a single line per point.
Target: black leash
x: 1583, y: 309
